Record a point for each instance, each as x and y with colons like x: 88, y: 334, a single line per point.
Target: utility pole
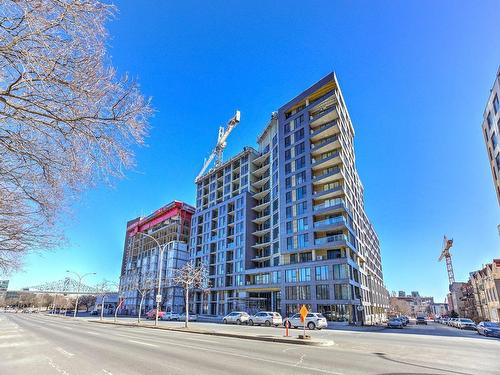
x: 160, y: 260
x: 80, y: 278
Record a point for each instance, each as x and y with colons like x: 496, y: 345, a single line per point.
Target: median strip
x: 285, y: 340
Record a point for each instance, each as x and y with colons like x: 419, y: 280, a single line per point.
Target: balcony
x: 264, y: 216
x: 332, y: 192
x: 325, y: 130
x: 259, y: 160
x: 324, y: 145
x: 330, y: 239
x: 261, y: 181
x: 261, y: 170
x: 262, y: 230
x: 327, y: 224
x: 326, y: 160
x: 329, y: 205
x: 323, y: 116
x: 327, y: 175
x: 261, y: 205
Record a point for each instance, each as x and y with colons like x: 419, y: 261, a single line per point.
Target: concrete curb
x: 284, y: 340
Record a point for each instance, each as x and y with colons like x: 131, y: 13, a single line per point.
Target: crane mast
x: 445, y: 253
x: 218, y: 150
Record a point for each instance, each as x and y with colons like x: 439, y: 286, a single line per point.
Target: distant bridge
x: 69, y: 286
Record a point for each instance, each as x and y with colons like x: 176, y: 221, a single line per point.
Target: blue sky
x: 415, y: 76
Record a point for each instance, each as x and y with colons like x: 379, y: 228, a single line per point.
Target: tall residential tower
x: 284, y: 225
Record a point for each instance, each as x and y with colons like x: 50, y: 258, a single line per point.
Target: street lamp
x: 160, y: 260
x: 80, y: 278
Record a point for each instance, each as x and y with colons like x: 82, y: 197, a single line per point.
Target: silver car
x: 267, y: 318
x: 312, y: 321
x: 463, y: 323
x: 236, y: 317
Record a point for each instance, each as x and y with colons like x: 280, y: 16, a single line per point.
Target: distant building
x: 415, y: 294
x: 491, y: 132
x: 170, y: 226
x: 455, y: 298
x: 439, y: 309
x: 401, y: 293
x: 4, y: 285
x: 110, y: 303
x: 485, y: 285
x: 415, y: 304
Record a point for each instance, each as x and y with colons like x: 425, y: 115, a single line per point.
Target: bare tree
x: 400, y: 307
x: 191, y: 277
x: 66, y: 120
x: 144, y: 283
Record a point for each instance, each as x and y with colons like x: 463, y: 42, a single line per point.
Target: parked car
x: 421, y: 320
x: 452, y: 322
x: 488, y: 329
x: 405, y: 320
x: 464, y: 323
x: 169, y: 316
x: 395, y: 323
x: 267, y: 318
x: 312, y: 321
x: 192, y: 317
x: 236, y: 317
x: 151, y: 314
x: 94, y: 312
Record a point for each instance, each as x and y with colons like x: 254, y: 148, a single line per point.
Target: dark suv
x: 421, y: 320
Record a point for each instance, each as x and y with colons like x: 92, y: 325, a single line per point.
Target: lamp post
x: 160, y: 260
x: 80, y: 278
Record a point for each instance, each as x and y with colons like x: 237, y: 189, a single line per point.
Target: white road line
x: 143, y: 343
x: 64, y: 352
x: 93, y: 333
x: 106, y: 372
x: 202, y: 340
x: 3, y: 337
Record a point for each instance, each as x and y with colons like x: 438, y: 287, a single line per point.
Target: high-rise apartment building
x: 169, y: 227
x: 491, y: 132
x: 285, y: 225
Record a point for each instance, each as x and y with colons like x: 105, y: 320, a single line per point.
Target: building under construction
x: 168, y: 226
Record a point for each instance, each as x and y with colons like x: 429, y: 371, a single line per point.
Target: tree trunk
x: 187, y: 308
x: 140, y: 308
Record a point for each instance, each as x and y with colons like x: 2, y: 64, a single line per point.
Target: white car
x: 312, y: 321
x: 237, y: 317
x: 170, y: 316
x: 192, y: 317
x: 267, y: 318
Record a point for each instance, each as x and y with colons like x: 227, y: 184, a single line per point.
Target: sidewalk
x: 213, y: 332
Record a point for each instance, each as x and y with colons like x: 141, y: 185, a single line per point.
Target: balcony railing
x: 328, y: 203
x: 329, y: 221
x: 333, y: 138
x: 330, y: 170
x: 328, y: 239
x: 317, y: 115
x: 327, y: 156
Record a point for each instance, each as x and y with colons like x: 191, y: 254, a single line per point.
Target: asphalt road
x: 33, y: 343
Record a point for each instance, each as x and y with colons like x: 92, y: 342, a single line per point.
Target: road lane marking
x: 93, y: 333
x: 143, y: 343
x: 57, y: 368
x: 64, y: 352
x: 107, y: 372
x: 202, y: 340
x: 3, y: 337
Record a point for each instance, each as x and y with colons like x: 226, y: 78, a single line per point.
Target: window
x: 301, y: 208
x: 496, y: 104
x: 300, y: 148
x: 305, y: 257
x: 288, y: 212
x: 305, y: 274
x: 302, y: 224
x: 321, y: 273
x: 494, y: 141
x: 287, y: 127
x: 288, y: 141
x: 300, y: 193
x: 340, y: 271
x: 291, y: 276
x: 300, y: 163
x: 288, y: 167
x: 300, y: 177
x: 289, y: 243
x: 289, y: 227
x: 489, y: 119
x: 288, y: 197
x: 322, y: 292
x: 342, y: 291
x: 288, y: 154
x: 303, y: 240
x: 299, y: 134
x: 288, y: 182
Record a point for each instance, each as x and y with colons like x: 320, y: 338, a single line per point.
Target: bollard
x: 287, y: 324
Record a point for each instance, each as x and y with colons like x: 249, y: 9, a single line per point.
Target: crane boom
x: 445, y: 253
x: 218, y: 150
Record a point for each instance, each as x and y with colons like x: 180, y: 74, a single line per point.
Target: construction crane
x: 445, y: 253
x: 221, y: 144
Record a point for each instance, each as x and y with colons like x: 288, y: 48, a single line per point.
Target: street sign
x: 158, y: 298
x: 303, y: 313
x: 360, y: 308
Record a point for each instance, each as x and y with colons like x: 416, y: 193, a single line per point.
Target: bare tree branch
x: 67, y: 121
